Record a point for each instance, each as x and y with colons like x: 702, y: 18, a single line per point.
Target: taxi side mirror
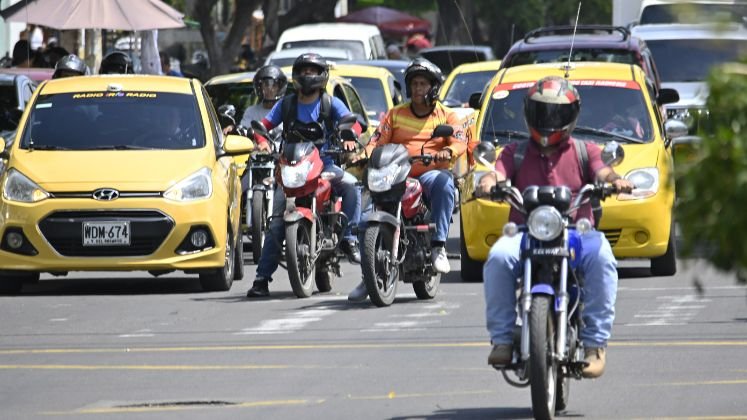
x: 475, y: 100
x: 237, y: 145
x: 3, y: 152
x: 667, y: 96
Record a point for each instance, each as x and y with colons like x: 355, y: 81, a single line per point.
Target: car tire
x: 220, y: 280
x: 471, y: 269
x: 238, y: 259
x: 666, y: 265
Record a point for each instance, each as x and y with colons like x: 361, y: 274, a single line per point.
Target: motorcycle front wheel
x: 299, y: 251
x: 380, y: 274
x: 259, y: 223
x: 543, y: 369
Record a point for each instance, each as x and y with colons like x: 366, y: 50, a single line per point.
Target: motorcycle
x: 397, y: 233
x: 314, y: 221
x: 547, y: 348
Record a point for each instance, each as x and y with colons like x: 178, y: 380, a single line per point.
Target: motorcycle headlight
x: 295, y: 176
x: 646, y: 182
x: 545, y: 223
x: 18, y: 187
x: 380, y: 180
x: 197, y: 186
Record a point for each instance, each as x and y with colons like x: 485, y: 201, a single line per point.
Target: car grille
x: 64, y: 231
x: 612, y: 236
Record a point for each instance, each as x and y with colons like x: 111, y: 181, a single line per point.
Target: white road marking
x: 674, y: 310
x: 138, y: 334
x: 288, y: 325
x: 58, y: 320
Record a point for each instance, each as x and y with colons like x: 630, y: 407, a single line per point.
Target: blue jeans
x: 598, y: 266
x: 343, y: 185
x: 438, y: 185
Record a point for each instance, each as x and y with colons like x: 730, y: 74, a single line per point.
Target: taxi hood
x: 125, y: 170
x: 638, y: 156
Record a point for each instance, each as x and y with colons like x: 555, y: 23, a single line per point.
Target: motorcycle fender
x: 298, y: 214
x: 544, y: 289
x: 259, y: 187
x: 382, y: 217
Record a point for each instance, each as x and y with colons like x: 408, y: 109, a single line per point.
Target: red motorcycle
x: 397, y: 235
x: 314, y: 221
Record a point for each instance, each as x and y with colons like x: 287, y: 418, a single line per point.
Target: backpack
x: 289, y: 109
x: 583, y: 161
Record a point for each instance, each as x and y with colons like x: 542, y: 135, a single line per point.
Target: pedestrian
x: 393, y: 52
x: 166, y: 65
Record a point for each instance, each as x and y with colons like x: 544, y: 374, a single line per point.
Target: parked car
x: 448, y: 57
x: 15, y: 93
x: 120, y: 173
x: 287, y: 57
x: 655, y: 12
x: 604, y: 43
x: 376, y: 87
x: 684, y: 55
x: 362, y: 40
x: 637, y: 225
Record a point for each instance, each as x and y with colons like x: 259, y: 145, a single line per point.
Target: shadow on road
x: 474, y: 413
x: 113, y: 286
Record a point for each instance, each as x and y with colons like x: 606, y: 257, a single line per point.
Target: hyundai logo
x: 105, y: 194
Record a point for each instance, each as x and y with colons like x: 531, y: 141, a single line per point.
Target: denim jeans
x: 438, y: 186
x: 343, y: 185
x: 598, y: 266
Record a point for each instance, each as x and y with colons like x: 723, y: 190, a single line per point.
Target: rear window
x: 465, y: 84
x: 609, y: 55
x: 356, y: 48
x: 240, y: 95
x: 690, y: 60
x: 614, y: 107
x: 114, y: 120
x: 693, y: 13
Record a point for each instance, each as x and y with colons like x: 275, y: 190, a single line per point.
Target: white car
x: 284, y: 58
x: 691, y: 11
x: 363, y: 40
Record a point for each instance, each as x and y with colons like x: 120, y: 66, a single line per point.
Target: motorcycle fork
x: 561, y: 305
x: 397, y: 230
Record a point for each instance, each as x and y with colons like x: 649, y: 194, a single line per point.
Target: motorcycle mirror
x: 259, y: 128
x: 613, y: 154
x: 486, y: 151
x: 443, y: 130
x: 227, y: 111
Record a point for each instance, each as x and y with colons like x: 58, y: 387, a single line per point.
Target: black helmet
x: 273, y: 73
x: 551, y: 110
x: 116, y: 62
x: 69, y: 65
x: 422, y: 67
x: 308, y: 84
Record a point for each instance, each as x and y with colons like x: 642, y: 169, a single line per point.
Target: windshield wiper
x: 602, y: 133
x: 35, y: 146
x: 508, y: 133
x: 119, y: 147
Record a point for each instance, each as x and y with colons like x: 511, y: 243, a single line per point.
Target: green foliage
x: 712, y: 184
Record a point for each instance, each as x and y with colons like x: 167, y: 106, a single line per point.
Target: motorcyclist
x: 310, y: 76
x: 411, y: 124
x: 116, y: 62
x: 270, y: 84
x: 551, y: 109
x: 69, y: 66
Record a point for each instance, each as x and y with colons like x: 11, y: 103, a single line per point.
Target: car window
x: 101, y: 120
x: 465, y: 84
x: 396, y: 94
x: 372, y: 92
x: 215, y: 122
x: 339, y: 94
x: 693, y: 13
x: 356, y: 105
x: 618, y: 110
x: 579, y: 54
x: 355, y: 47
x: 690, y: 60
x: 380, y: 47
x: 240, y: 95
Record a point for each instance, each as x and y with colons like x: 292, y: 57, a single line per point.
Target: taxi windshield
x: 372, y: 94
x: 465, y: 84
x: 114, y: 120
x: 607, y: 113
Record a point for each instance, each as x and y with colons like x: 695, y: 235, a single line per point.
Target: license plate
x: 106, y: 233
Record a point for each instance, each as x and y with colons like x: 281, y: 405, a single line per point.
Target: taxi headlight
x: 18, y: 187
x: 295, y: 176
x: 646, y: 182
x: 545, y: 223
x: 197, y: 186
x: 380, y: 180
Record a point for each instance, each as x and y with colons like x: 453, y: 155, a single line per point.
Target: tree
x: 222, y: 54
x: 457, y: 24
x: 712, y: 179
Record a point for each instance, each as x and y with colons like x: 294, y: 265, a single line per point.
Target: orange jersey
x: 401, y: 126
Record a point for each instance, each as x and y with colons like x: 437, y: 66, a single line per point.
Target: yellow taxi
x: 637, y: 225
x: 375, y: 85
x: 120, y: 173
x: 467, y: 79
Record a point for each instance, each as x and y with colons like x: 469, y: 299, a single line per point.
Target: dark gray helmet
x: 422, y: 67
x: 273, y: 73
x: 116, y: 62
x: 308, y: 84
x: 70, y: 65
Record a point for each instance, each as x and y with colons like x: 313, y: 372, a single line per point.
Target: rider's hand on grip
x: 623, y: 185
x: 263, y: 146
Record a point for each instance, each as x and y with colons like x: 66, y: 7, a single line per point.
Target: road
x: 128, y: 346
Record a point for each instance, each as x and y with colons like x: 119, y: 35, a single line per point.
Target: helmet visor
x: 544, y: 116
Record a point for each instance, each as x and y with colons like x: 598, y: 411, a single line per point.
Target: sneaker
x: 501, y: 355
x: 260, y: 288
x: 596, y: 358
x: 350, y: 248
x: 440, y: 260
x: 359, y: 294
